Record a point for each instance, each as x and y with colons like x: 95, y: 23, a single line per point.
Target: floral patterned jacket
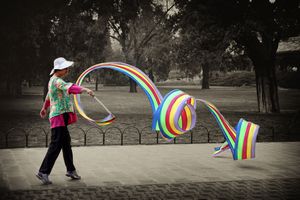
x: 60, y: 100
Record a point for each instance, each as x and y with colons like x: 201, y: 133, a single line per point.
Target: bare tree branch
x: 114, y: 37
x: 148, y: 36
x: 115, y: 28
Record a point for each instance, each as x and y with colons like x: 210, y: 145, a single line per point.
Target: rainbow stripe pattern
x: 175, y: 114
x: 136, y: 74
x: 240, y: 140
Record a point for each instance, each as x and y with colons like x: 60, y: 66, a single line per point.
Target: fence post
x: 273, y: 133
x: 157, y: 137
x: 26, y: 140
x: 84, y: 139
x: 6, y: 142
x: 121, y: 138
x: 103, y: 139
x: 174, y: 140
x: 140, y: 137
x: 208, y: 137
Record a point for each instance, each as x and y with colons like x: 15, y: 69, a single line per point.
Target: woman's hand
x: 43, y: 113
x: 89, y: 92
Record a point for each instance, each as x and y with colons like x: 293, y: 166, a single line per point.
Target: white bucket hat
x: 61, y: 63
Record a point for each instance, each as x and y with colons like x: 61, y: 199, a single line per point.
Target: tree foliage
x: 256, y: 26
x: 201, y: 38
x: 42, y: 32
x: 141, y: 34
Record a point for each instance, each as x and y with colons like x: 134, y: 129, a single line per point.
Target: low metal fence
x: 114, y: 135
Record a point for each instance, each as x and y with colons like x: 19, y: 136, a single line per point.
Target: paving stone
x: 149, y: 172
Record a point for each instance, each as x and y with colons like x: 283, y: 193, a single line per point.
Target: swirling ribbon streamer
x: 240, y: 140
x: 134, y: 73
x: 175, y: 114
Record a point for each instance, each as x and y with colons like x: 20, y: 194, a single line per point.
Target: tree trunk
x: 151, y: 75
x: 205, y: 78
x: 96, y: 84
x: 263, y: 54
x: 132, y: 86
x: 266, y: 88
x: 132, y: 83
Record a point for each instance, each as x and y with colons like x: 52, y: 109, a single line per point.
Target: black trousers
x: 60, y: 139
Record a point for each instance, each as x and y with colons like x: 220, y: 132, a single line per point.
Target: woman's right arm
x: 71, y: 88
x: 76, y: 89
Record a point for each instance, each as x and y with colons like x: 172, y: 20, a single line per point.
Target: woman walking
x: 60, y: 116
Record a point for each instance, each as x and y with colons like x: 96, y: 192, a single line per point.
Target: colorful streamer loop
x: 136, y: 74
x: 241, y: 139
x: 175, y: 114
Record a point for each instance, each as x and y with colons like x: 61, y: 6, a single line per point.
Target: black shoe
x: 73, y: 175
x: 44, y: 178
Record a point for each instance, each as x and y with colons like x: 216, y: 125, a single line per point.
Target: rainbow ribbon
x: 241, y: 139
x: 136, y: 74
x: 175, y: 114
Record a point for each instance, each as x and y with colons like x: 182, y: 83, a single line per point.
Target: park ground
x: 174, y: 171
x: 183, y: 171
x: 133, y: 109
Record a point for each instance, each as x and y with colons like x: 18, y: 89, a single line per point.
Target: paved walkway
x: 181, y: 171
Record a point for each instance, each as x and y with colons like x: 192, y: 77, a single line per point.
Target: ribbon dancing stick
x: 102, y: 105
x: 107, y: 120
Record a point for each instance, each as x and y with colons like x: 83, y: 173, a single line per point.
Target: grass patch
x: 133, y: 109
x: 236, y: 79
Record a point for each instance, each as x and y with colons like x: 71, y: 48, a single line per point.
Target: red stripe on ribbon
x: 168, y: 115
x: 158, y: 100
x: 245, y: 144
x: 184, y: 119
x: 145, y: 81
x: 225, y: 124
